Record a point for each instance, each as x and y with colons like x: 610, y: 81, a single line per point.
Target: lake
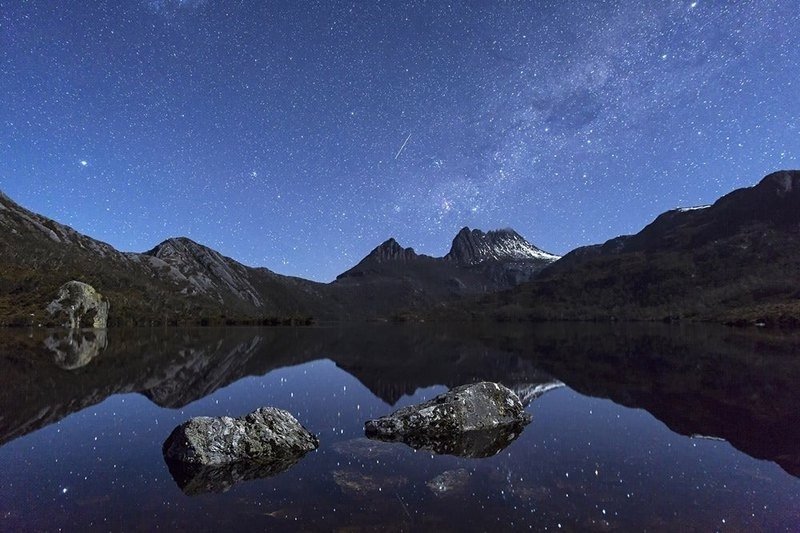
x: 635, y: 427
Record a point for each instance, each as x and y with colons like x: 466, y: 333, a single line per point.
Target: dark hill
x: 177, y: 281
x: 736, y: 260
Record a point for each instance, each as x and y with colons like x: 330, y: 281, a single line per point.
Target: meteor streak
x: 400, y: 151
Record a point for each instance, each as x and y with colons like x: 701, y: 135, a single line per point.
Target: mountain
x: 504, y: 255
x: 234, y: 286
x: 737, y: 260
x: 207, y: 271
x: 392, y: 278
x: 471, y: 247
x: 181, y: 281
x: 471, y: 251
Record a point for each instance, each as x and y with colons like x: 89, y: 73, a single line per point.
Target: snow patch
x: 707, y: 437
x: 693, y: 208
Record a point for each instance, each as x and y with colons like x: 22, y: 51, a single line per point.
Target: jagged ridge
x: 180, y: 280
x: 471, y: 247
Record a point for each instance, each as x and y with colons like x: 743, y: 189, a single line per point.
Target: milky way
x: 299, y: 135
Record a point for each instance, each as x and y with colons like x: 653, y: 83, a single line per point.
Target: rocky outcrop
x: 267, y: 435
x: 79, y: 305
x: 392, y: 251
x: 207, y: 271
x: 470, y: 421
x: 471, y: 247
x: 177, y: 281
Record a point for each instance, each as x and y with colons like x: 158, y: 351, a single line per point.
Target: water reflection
x: 471, y: 444
x: 74, y: 348
x: 731, y: 384
x: 581, y: 457
x: 194, y: 479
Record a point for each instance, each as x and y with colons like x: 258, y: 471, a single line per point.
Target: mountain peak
x: 471, y: 247
x: 207, y: 271
x: 176, y: 245
x: 185, y: 241
x: 390, y: 250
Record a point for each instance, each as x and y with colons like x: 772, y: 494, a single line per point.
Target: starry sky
x: 299, y: 135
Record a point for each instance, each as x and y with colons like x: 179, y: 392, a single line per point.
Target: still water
x: 634, y: 428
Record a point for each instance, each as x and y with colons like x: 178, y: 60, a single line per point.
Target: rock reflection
x: 195, y: 479
x: 468, y: 444
x: 76, y: 348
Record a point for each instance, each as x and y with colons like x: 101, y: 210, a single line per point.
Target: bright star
x: 84, y: 163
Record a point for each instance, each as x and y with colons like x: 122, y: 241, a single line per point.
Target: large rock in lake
x: 208, y: 454
x: 79, y: 305
x: 267, y: 435
x: 470, y: 421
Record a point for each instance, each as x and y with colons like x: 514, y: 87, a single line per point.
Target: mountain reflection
x: 736, y: 385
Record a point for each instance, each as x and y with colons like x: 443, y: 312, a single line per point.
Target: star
x: 398, y: 128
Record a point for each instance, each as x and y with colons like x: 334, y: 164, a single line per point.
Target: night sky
x: 299, y: 135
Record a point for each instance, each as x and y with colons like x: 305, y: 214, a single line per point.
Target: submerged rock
x: 264, y: 436
x: 449, y: 482
x: 359, y: 484
x: 470, y: 421
x: 79, y: 305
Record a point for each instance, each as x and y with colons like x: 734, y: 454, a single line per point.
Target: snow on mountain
x: 472, y: 247
x: 693, y: 208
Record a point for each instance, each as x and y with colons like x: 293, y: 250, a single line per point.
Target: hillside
x: 737, y: 260
x: 180, y: 281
